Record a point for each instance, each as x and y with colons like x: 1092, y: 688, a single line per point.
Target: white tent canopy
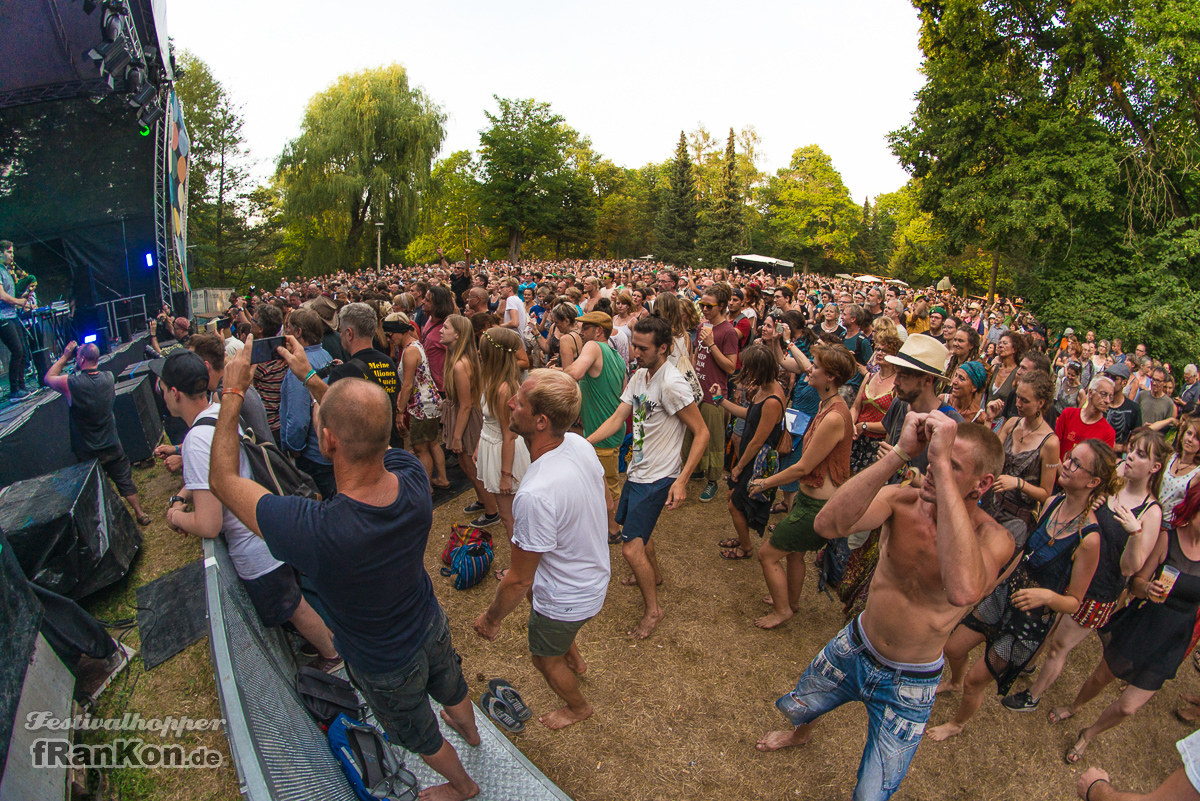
x: 868, y: 279
x: 764, y: 260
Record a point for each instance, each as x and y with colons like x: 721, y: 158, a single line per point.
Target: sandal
x: 500, y: 574
x: 736, y: 553
x: 143, y: 520
x: 1075, y: 753
x: 732, y: 542
x: 778, y: 508
x: 615, y: 539
x: 1057, y: 715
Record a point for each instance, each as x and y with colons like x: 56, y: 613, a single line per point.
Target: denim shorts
x: 899, y: 699
x: 640, y: 506
x: 400, y: 698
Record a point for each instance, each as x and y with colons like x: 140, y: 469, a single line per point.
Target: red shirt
x: 1071, y: 430
x: 435, y: 351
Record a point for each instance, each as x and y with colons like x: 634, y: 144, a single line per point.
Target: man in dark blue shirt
x: 363, y: 550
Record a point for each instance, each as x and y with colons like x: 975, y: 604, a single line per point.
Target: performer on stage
x: 90, y: 394
x: 10, y: 330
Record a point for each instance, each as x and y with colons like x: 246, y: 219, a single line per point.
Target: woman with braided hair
x: 502, y: 458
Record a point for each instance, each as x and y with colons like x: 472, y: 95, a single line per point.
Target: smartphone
x: 780, y: 328
x: 263, y: 350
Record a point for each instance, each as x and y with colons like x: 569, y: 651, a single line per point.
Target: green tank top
x: 602, y: 395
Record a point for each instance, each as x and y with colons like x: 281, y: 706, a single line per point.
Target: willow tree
x: 363, y: 155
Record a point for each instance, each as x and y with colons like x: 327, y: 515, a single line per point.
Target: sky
x: 629, y: 75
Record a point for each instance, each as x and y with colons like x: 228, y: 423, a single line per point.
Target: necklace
x: 1075, y: 523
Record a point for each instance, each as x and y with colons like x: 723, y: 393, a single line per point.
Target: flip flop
x: 500, y: 713
x: 509, y: 695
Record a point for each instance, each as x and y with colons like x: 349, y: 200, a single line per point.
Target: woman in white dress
x: 1181, y: 468
x: 502, y: 457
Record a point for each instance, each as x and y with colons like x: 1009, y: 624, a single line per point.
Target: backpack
x: 470, y: 562
x: 461, y: 535
x: 325, y: 696
x: 373, y: 768
x: 271, y: 468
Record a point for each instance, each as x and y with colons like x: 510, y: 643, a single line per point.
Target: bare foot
x: 1059, y: 714
x: 769, y: 601
x: 646, y: 625
x: 947, y: 686
x: 944, y: 732
x: 562, y: 718
x: 774, y: 740
x: 631, y: 581
x: 772, y: 620
x: 577, y: 665
x: 471, y: 735
x: 447, y: 792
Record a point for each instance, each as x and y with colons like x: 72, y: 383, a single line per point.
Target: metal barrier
x: 277, y: 749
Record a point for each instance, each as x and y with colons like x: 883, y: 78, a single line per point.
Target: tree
x: 722, y: 228
x: 219, y: 177
x: 810, y: 216
x: 451, y: 217
x: 678, y: 218
x: 363, y: 156
x: 527, y: 186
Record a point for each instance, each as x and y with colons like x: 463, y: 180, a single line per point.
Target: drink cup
x: 1167, y: 578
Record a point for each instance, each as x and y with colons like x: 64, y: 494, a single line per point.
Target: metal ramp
x: 278, y: 751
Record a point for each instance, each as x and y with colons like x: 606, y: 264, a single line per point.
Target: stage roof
x: 48, y: 60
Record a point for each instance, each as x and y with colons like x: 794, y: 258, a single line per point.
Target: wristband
x: 904, y: 457
x: 237, y: 392
x: 311, y: 373
x: 718, y: 398
x: 1087, y: 796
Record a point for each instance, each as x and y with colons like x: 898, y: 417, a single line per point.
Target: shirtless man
x: 939, y: 554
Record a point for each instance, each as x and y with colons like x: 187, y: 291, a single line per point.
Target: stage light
x: 150, y: 114
x: 89, y: 339
x: 111, y: 24
x: 149, y: 259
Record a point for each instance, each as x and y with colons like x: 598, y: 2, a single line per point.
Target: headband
x: 396, y: 327
x: 497, y: 345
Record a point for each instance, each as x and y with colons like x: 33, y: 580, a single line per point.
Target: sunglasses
x: 708, y: 305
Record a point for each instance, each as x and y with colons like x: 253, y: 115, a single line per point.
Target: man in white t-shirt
x: 663, y: 407
x: 514, y: 316
x: 560, y: 539
x: 271, y: 584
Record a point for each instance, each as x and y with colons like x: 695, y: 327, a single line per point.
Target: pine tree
x: 720, y: 237
x: 679, y: 217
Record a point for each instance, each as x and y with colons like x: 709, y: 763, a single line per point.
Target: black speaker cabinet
x: 139, y: 425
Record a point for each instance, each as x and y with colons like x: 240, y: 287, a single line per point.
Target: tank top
x: 1025, y: 465
x: 425, y: 402
x: 1107, y: 582
x: 1173, y: 489
x: 836, y: 463
x: 602, y: 395
x: 1048, y: 562
x: 1185, y: 595
x: 754, y: 415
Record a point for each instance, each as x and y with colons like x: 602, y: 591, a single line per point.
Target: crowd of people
x: 955, y: 474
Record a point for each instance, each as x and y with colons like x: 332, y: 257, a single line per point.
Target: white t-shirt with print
x: 657, y: 432
x: 559, y: 512
x: 248, y: 552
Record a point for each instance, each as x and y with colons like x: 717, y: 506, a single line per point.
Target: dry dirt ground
x: 677, y: 715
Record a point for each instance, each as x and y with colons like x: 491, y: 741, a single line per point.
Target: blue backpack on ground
x: 470, y: 562
x: 372, y: 766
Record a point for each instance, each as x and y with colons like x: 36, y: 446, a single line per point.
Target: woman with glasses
x: 1050, y: 576
x: 1129, y: 526
x: 1146, y: 642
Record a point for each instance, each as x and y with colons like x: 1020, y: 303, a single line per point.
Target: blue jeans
x: 899, y: 699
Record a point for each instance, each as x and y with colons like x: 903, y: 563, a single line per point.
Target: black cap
x: 182, y: 370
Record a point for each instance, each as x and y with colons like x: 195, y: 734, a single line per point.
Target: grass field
x: 677, y: 715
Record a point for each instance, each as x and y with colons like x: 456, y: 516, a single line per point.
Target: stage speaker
x: 139, y: 425
x: 18, y: 631
x: 34, y: 437
x: 181, y: 303
x: 123, y: 330
x: 70, y: 530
